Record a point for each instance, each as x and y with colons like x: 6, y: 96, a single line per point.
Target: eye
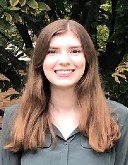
x: 76, y: 51
x: 51, y: 51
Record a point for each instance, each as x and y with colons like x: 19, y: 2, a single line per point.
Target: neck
x: 63, y: 101
x: 64, y: 110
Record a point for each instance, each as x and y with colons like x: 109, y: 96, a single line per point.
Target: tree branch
x: 23, y: 31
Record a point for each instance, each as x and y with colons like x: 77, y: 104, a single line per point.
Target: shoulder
x: 10, y: 111
x: 9, y: 117
x: 119, y: 110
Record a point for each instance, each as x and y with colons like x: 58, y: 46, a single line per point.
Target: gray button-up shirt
x: 73, y: 151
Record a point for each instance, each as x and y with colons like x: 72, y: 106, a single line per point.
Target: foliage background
x: 105, y: 20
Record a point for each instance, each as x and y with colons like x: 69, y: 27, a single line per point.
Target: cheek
x: 45, y: 65
x: 81, y: 63
x: 46, y: 68
x: 48, y: 64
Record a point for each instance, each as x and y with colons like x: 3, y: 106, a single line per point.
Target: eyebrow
x: 80, y: 46
x: 56, y: 47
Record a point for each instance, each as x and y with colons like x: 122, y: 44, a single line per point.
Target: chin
x: 63, y: 86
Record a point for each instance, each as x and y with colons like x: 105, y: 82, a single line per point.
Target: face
x: 65, y: 63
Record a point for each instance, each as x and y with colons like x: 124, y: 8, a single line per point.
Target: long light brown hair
x: 32, y: 121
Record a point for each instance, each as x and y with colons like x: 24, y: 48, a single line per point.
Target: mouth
x: 64, y: 72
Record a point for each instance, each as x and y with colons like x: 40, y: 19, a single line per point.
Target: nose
x: 64, y: 58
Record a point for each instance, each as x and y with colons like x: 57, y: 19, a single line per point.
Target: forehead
x: 67, y: 38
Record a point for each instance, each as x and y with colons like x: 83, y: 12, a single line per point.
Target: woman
x: 63, y: 116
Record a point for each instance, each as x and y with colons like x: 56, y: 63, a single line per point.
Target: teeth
x: 63, y: 71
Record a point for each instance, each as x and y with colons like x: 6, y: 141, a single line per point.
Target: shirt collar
x: 59, y: 134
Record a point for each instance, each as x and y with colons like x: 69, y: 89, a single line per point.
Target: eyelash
x: 72, y: 51
x: 76, y: 51
x: 51, y: 51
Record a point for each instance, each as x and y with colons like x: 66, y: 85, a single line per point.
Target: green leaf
x: 43, y: 6
x: 3, y: 41
x: 13, y: 8
x: 14, y: 2
x: 16, y: 17
x: 33, y: 4
x: 123, y: 88
x: 22, y: 2
x: 33, y: 11
x: 124, y: 4
x: 4, y: 85
x: 3, y: 3
x: 8, y: 16
x: 4, y: 24
x: 24, y: 9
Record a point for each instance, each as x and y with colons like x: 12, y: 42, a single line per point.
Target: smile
x: 64, y: 71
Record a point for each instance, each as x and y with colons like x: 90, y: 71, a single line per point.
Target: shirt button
x: 66, y: 143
